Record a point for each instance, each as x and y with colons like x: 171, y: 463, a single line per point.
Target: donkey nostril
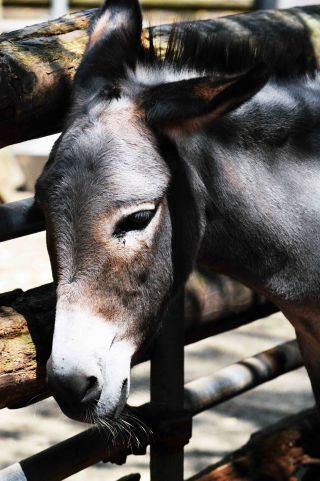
x: 92, y: 390
x: 92, y: 381
x: 74, y: 388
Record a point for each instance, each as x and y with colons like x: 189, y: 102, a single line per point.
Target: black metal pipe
x: 167, y: 395
x: 91, y: 446
x: 265, y: 4
x: 20, y: 218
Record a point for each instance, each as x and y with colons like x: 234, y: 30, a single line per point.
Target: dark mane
x: 236, y: 43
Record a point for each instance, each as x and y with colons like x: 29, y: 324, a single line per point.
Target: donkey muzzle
x: 76, y: 391
x: 89, y: 369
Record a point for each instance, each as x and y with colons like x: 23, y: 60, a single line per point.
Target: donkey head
x: 124, y: 214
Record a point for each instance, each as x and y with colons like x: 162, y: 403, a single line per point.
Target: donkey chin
x: 88, y: 372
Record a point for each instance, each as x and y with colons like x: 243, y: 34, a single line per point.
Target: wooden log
x: 37, y: 64
x: 27, y: 318
x: 181, y: 4
x: 26, y: 328
x: 148, y: 4
x: 286, y: 451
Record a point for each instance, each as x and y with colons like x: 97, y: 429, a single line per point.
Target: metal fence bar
x: 206, y: 392
x: 265, y: 4
x: 59, y: 8
x: 72, y: 455
x: 91, y: 446
x: 167, y: 383
x: 19, y: 218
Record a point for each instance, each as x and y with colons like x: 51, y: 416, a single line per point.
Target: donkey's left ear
x: 114, y: 41
x: 187, y: 105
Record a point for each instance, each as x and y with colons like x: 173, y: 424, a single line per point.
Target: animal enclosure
x: 31, y: 313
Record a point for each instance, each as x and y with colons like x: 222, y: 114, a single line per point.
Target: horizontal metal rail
x: 19, y: 218
x: 209, y: 391
x: 91, y: 446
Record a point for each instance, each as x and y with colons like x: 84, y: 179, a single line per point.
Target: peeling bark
x: 286, y: 451
x: 26, y: 327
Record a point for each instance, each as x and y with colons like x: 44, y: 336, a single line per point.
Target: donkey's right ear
x: 114, y: 41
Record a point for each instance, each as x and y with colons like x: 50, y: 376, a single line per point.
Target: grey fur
x: 239, y: 186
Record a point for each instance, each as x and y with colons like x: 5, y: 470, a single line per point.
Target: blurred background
x: 24, y: 264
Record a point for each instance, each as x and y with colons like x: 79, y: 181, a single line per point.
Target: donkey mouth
x: 93, y: 412
x: 82, y: 413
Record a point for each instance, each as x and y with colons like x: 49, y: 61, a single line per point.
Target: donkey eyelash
x: 136, y: 221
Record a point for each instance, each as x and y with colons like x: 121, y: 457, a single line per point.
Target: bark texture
x: 26, y: 328
x: 287, y: 451
x: 37, y: 64
x: 27, y: 318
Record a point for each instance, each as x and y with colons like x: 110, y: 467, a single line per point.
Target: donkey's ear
x: 114, y: 40
x: 187, y: 105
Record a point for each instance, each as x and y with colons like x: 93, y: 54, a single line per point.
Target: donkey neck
x: 260, y: 173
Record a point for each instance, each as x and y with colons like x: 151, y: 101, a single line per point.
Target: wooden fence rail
x: 214, y: 304
x: 148, y: 4
x: 37, y: 64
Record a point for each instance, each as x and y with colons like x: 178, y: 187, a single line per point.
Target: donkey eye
x: 136, y: 221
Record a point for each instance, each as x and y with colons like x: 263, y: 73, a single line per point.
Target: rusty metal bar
x: 73, y: 455
x: 19, y: 218
x: 91, y: 446
x: 167, y: 383
x: 206, y: 392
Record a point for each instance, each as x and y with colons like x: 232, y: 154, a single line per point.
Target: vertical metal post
x: 167, y: 382
x: 59, y: 8
x: 265, y: 4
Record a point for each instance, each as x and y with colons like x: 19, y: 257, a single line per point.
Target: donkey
x: 160, y: 164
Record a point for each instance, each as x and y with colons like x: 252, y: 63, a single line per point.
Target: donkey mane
x: 236, y: 43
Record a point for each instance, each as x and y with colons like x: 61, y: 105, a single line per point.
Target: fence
x: 173, y: 404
